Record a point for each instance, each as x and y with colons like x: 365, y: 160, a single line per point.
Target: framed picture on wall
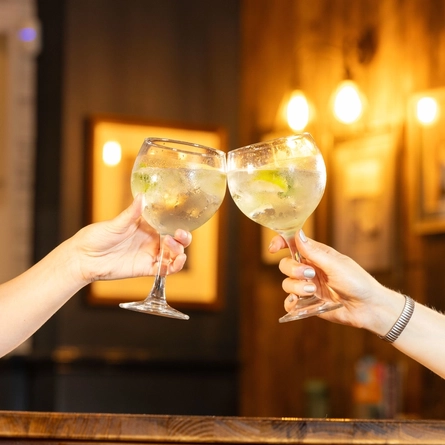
x: 426, y: 155
x: 200, y: 284
x: 363, y: 199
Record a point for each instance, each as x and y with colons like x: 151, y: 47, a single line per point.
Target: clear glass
x: 278, y: 184
x: 183, y: 185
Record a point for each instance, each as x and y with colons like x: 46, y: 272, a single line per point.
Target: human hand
x: 334, y: 277
x: 126, y: 246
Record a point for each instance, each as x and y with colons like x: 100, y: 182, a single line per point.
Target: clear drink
x: 178, y: 197
x: 278, y: 184
x: 280, y: 198
x: 183, y: 184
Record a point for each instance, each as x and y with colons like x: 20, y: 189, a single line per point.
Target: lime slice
x: 141, y: 182
x: 270, y: 181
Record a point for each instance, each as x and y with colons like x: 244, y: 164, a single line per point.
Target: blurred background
x: 234, y: 65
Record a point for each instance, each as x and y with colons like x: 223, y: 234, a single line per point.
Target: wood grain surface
x: 300, y: 45
x: 41, y: 427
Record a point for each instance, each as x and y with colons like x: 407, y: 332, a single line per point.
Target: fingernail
x: 291, y: 298
x: 271, y: 246
x: 309, y: 288
x: 182, y: 233
x: 309, y: 273
x: 303, y: 236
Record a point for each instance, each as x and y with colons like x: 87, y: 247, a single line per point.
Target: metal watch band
x: 402, y: 321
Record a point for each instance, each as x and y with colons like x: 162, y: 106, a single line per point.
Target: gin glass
x: 183, y: 185
x: 278, y: 184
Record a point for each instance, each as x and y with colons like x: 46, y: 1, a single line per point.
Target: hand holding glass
x: 278, y: 184
x: 183, y: 185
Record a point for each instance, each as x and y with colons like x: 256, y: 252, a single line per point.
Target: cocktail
x: 278, y: 184
x: 183, y: 185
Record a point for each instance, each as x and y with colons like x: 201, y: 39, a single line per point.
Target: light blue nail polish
x: 309, y: 288
x: 309, y: 273
x: 303, y: 236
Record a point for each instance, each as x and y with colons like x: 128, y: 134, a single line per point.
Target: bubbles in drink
x: 178, y: 197
x: 280, y: 198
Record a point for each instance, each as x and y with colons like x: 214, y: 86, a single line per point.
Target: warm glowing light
x: 111, y: 153
x: 297, y: 111
x: 427, y: 110
x: 348, y: 106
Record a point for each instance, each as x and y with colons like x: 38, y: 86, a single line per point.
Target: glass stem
x: 290, y: 241
x: 158, y: 289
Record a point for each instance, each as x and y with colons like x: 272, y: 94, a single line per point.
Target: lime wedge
x: 141, y: 182
x: 270, y: 181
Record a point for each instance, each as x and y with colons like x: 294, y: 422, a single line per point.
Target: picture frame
x: 426, y: 165
x: 200, y: 284
x: 363, y: 199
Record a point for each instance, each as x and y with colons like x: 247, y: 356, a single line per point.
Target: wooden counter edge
x: 126, y: 428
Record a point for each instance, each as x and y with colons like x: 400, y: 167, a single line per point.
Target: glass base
x: 308, y: 307
x: 154, y: 307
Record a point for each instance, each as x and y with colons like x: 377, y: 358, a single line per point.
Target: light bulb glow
x: 297, y: 111
x: 427, y: 110
x: 111, y: 153
x: 348, y: 105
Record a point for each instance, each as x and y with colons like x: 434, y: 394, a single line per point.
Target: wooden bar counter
x: 18, y: 427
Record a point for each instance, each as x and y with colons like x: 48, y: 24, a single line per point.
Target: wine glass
x: 183, y: 185
x: 278, y: 184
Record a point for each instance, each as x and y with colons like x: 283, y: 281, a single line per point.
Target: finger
x: 290, y: 302
x: 129, y: 215
x: 319, y: 253
x: 177, y: 264
x: 135, y: 209
x: 294, y: 269
x: 184, y: 237
x: 174, y: 246
x: 277, y: 243
x: 299, y: 287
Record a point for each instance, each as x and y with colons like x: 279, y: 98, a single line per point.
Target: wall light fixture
x: 348, y: 103
x: 298, y: 111
x: 427, y: 110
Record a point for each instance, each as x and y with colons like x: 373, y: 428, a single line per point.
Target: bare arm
x: 366, y: 303
x: 120, y: 248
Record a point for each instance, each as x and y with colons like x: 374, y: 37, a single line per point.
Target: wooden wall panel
x: 301, y: 43
x: 165, y: 61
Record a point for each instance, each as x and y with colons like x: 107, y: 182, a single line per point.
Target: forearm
x: 29, y: 300
x: 421, y: 339
x: 367, y: 304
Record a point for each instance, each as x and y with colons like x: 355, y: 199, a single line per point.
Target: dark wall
x: 306, y: 44
x: 170, y: 61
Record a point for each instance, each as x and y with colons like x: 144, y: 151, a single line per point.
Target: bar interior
x: 83, y: 82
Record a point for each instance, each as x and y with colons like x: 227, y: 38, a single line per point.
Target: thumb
x: 130, y: 214
x: 317, y: 253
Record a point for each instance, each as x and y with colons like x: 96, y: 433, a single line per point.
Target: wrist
x: 384, y: 313
x: 399, y: 326
x: 70, y: 259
